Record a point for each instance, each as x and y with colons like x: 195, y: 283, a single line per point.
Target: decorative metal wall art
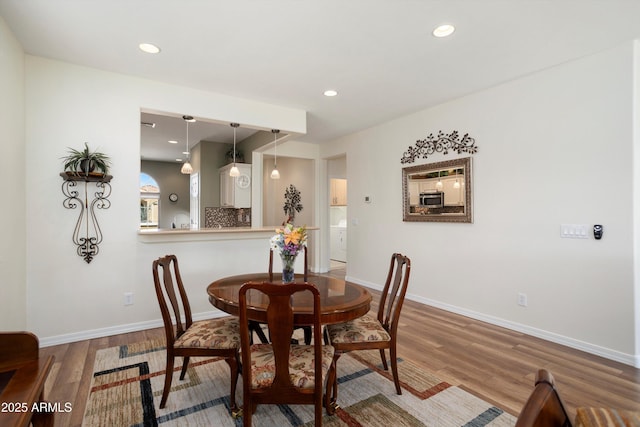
x: 441, y: 143
x: 292, y: 203
x: 86, y: 234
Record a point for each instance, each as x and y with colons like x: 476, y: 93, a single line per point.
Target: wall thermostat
x: 173, y: 197
x: 597, y: 231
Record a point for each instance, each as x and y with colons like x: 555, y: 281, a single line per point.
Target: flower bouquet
x: 289, y: 241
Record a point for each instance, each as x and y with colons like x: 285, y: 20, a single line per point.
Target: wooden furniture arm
x: 17, y: 347
x: 27, y: 373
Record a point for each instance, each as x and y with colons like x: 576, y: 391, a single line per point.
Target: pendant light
x: 186, y: 167
x: 439, y: 183
x: 274, y: 173
x: 234, y: 171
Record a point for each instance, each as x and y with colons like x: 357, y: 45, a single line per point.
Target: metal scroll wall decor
x: 442, y: 143
x: 95, y: 195
x: 292, y: 203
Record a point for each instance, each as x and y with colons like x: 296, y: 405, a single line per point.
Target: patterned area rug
x: 127, y: 386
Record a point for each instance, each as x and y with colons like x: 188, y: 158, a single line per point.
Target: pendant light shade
x: 439, y: 183
x: 234, y: 171
x: 274, y: 173
x: 187, y: 169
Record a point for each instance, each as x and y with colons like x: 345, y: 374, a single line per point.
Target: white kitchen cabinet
x: 235, y: 192
x: 338, y: 237
x: 453, y: 195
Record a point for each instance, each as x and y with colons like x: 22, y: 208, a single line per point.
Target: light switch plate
x: 574, y: 231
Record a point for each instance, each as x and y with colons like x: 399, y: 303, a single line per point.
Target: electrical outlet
x: 128, y: 298
x: 522, y: 299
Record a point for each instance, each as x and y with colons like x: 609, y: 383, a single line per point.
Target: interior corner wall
x: 13, y: 291
x: 170, y: 180
x: 554, y: 147
x: 636, y: 193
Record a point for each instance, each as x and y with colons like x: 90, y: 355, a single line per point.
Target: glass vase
x: 288, y: 261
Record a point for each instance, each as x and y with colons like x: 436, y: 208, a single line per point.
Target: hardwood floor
x: 494, y: 363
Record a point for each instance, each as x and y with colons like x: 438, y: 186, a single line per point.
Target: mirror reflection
x: 438, y: 192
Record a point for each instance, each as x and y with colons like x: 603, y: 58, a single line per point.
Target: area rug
x: 127, y: 386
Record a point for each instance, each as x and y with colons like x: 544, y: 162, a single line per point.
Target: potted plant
x: 85, y: 162
x: 239, y: 158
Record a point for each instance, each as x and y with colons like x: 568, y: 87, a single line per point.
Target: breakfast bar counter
x: 203, y: 234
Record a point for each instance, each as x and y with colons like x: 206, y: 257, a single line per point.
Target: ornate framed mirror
x: 438, y: 192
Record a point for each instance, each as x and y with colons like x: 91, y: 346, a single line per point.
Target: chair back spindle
x: 306, y: 265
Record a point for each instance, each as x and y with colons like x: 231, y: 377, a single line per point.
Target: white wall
x: 293, y: 171
x: 67, y: 105
x: 13, y: 295
x: 555, y: 148
x: 636, y: 193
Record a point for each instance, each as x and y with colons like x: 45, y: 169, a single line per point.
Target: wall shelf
x: 94, y: 194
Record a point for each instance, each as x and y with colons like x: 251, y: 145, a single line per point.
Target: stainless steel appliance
x: 432, y: 199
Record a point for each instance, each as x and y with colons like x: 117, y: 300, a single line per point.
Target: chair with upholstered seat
x: 544, y: 408
x: 282, y: 372
x: 381, y: 332
x: 204, y: 338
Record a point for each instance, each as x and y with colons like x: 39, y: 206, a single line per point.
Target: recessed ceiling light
x: 179, y: 160
x: 149, y: 48
x: 330, y: 92
x: 444, y: 30
x: 173, y: 141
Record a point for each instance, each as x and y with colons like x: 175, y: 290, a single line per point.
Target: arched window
x: 149, y: 197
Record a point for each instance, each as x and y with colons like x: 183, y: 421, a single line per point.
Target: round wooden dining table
x: 340, y: 301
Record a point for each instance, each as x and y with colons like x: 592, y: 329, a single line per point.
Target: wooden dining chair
x: 544, y: 408
x: 381, y: 332
x: 281, y: 372
x: 204, y: 338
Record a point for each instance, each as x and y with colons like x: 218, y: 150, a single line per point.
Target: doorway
x: 338, y: 205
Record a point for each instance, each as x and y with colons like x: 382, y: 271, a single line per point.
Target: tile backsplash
x: 227, y: 217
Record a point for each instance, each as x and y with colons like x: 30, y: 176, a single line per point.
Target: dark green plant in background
x: 292, y: 203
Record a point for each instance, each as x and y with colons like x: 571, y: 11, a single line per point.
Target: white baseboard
x: 119, y: 329
x: 627, y: 359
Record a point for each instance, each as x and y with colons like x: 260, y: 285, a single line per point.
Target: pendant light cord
x: 275, y: 147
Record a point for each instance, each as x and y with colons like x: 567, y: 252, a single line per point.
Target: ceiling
x: 154, y: 141
x: 379, y: 55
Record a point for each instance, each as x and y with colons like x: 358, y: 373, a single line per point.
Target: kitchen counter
x: 203, y: 234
